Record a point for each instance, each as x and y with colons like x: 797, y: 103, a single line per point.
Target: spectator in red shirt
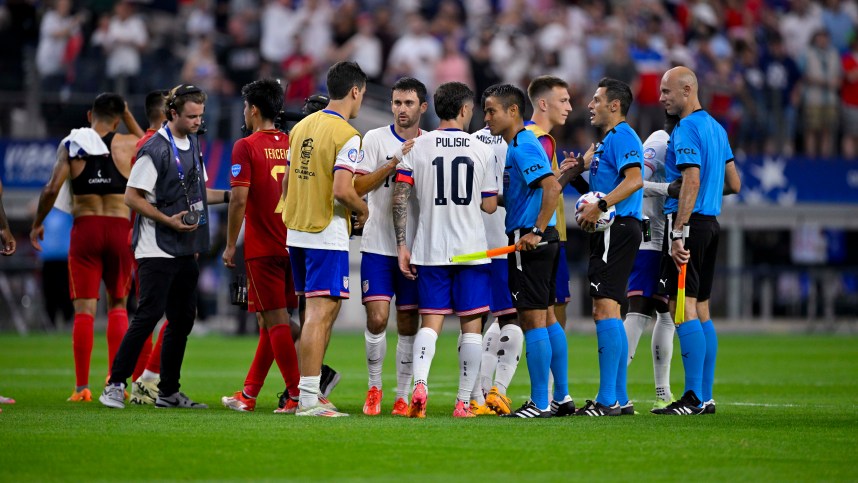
x: 849, y: 101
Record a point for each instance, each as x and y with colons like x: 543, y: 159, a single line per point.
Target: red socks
x: 259, y: 367
x: 154, y: 364
x: 286, y: 356
x: 143, y: 358
x: 82, y: 346
x: 117, y: 326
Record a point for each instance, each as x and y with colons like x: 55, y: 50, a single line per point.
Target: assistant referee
x: 530, y: 192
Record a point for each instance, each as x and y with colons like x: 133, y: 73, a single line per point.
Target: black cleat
x: 687, y: 405
x: 528, y: 410
x: 328, y: 381
x: 627, y: 409
x: 593, y: 408
x: 563, y: 408
x: 282, y: 398
x: 709, y: 407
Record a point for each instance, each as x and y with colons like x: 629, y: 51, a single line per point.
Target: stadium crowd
x: 780, y: 75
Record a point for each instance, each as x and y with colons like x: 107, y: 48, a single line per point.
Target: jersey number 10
x: 440, y: 199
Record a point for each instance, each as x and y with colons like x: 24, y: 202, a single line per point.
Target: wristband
x: 603, y: 205
x: 226, y: 196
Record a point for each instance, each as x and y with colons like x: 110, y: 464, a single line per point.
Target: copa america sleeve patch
x: 649, y: 153
x: 236, y: 169
x: 353, y: 155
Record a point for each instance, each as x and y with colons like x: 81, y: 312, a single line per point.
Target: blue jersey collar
x: 335, y: 113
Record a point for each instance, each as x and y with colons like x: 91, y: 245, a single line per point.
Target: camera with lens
x: 192, y: 217
x: 238, y: 291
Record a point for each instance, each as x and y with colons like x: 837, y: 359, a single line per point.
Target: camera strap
x: 179, y: 169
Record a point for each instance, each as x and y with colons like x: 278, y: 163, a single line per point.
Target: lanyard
x: 179, y: 168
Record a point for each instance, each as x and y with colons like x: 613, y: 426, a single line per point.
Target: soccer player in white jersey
x: 452, y: 176
x: 380, y: 276
x: 643, y: 283
x: 503, y: 340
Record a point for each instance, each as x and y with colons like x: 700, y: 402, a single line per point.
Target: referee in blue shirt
x: 530, y: 195
x: 616, y: 170
x: 700, y: 155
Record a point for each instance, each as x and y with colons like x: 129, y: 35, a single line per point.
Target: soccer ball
x: 605, y: 221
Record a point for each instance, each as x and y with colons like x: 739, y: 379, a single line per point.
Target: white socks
x: 309, y: 387
x: 509, y: 353
x: 404, y: 366
x: 662, y: 351
x: 634, y: 324
x: 376, y: 349
x: 469, y: 364
x: 424, y: 351
x: 489, y: 359
x: 149, y: 376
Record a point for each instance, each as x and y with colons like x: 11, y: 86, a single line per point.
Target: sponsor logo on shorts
x: 595, y: 285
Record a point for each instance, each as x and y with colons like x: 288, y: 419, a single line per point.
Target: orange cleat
x: 289, y: 407
x: 418, y: 401
x: 463, y: 410
x: 372, y: 406
x: 481, y: 409
x: 238, y: 402
x: 498, y: 402
x: 400, y: 407
x: 84, y: 395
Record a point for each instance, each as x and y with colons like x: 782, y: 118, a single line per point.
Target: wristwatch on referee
x: 536, y: 231
x: 603, y: 205
x: 676, y: 235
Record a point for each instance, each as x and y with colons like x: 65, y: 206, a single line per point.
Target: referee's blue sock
x: 607, y: 336
x: 538, y: 363
x: 559, y: 360
x: 709, y: 361
x: 622, y: 369
x: 692, y: 344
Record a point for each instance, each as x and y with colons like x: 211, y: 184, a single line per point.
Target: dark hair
x: 507, y: 95
x: 406, y: 84
x: 449, y: 99
x: 542, y: 84
x: 617, y: 90
x: 108, y: 106
x: 155, y: 104
x: 266, y: 95
x: 182, y: 94
x: 342, y: 76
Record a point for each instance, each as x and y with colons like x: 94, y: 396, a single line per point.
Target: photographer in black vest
x: 167, y: 189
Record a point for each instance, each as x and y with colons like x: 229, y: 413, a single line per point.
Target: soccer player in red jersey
x: 258, y: 167
x: 96, y: 161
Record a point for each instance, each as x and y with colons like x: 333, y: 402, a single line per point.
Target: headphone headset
x: 314, y: 103
x: 180, y: 90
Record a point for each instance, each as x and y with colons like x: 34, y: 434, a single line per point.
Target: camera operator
x: 167, y: 190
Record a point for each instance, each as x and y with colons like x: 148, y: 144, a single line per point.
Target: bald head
x: 679, y: 91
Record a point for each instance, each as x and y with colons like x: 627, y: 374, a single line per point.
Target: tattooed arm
x: 401, y: 193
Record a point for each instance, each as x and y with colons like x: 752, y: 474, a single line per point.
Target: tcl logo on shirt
x: 533, y: 169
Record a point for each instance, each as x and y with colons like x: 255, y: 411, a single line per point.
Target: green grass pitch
x: 786, y: 411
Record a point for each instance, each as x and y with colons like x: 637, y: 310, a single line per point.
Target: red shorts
x: 269, y: 284
x: 99, y: 250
